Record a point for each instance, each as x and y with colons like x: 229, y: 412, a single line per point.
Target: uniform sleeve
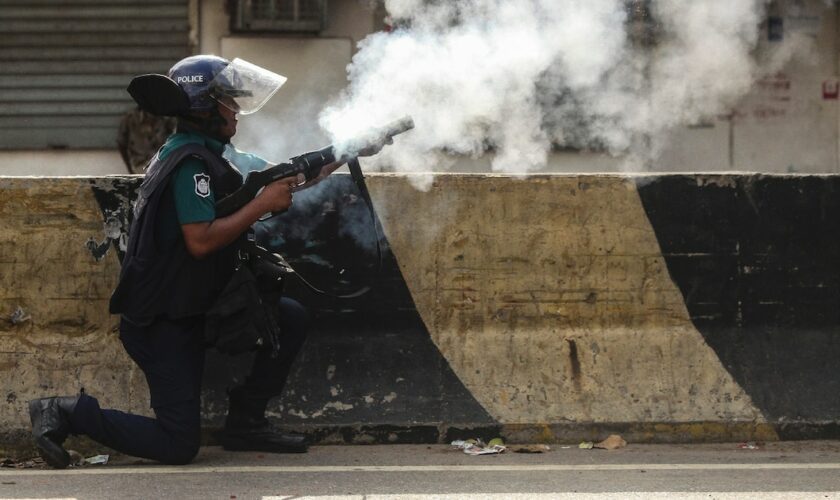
x: 194, y: 200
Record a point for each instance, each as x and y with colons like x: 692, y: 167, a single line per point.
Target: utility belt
x: 245, y: 316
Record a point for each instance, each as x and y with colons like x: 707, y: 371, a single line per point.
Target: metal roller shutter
x: 66, y: 64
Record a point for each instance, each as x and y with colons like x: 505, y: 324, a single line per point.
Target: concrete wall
x: 554, y: 308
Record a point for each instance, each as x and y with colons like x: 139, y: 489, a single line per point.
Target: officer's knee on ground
x: 182, y: 453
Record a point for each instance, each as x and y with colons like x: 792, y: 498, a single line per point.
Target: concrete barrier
x: 668, y: 308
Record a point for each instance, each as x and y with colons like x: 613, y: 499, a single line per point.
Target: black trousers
x: 171, y: 355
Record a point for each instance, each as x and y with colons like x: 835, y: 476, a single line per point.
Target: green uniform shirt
x: 190, y: 196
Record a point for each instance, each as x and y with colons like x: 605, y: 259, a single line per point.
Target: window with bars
x: 285, y: 16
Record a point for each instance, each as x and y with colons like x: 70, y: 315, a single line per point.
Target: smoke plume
x: 515, y: 78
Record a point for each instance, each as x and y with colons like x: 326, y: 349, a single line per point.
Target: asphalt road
x: 805, y: 469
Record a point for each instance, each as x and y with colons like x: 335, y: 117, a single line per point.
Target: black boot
x: 245, y: 434
x: 50, y: 426
x: 247, y: 430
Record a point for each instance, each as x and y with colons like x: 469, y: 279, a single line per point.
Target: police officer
x: 179, y: 257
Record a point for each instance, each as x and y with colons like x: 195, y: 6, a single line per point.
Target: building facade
x: 67, y: 63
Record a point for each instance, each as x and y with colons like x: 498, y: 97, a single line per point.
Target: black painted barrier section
x: 757, y: 259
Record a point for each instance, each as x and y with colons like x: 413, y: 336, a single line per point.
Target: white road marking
x: 303, y: 469
x: 626, y: 495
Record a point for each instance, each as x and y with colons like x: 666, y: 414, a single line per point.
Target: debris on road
x: 27, y: 463
x: 477, y: 446
x: 76, y: 460
x: 750, y: 445
x: 97, y: 459
x: 613, y: 442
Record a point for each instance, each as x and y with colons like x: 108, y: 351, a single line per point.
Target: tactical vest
x: 169, y: 282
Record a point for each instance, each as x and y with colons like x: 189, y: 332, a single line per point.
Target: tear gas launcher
x: 311, y: 164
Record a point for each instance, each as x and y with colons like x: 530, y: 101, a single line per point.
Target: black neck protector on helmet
x: 160, y: 95
x: 210, y: 123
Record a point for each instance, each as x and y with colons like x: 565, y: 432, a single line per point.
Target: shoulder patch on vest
x: 202, y: 185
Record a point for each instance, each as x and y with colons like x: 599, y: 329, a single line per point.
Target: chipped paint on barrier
x: 338, y: 406
x: 720, y: 180
x: 115, y: 198
x: 296, y: 413
x: 332, y: 406
x: 19, y: 316
x: 114, y: 232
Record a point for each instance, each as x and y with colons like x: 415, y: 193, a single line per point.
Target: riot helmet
x: 197, y: 83
x: 239, y: 85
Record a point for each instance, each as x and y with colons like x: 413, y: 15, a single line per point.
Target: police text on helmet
x: 191, y: 79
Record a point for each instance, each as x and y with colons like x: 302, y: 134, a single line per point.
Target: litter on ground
x: 478, y: 447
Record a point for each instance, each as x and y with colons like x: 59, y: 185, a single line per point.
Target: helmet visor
x: 244, y: 87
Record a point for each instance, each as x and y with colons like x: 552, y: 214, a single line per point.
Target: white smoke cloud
x: 515, y: 77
